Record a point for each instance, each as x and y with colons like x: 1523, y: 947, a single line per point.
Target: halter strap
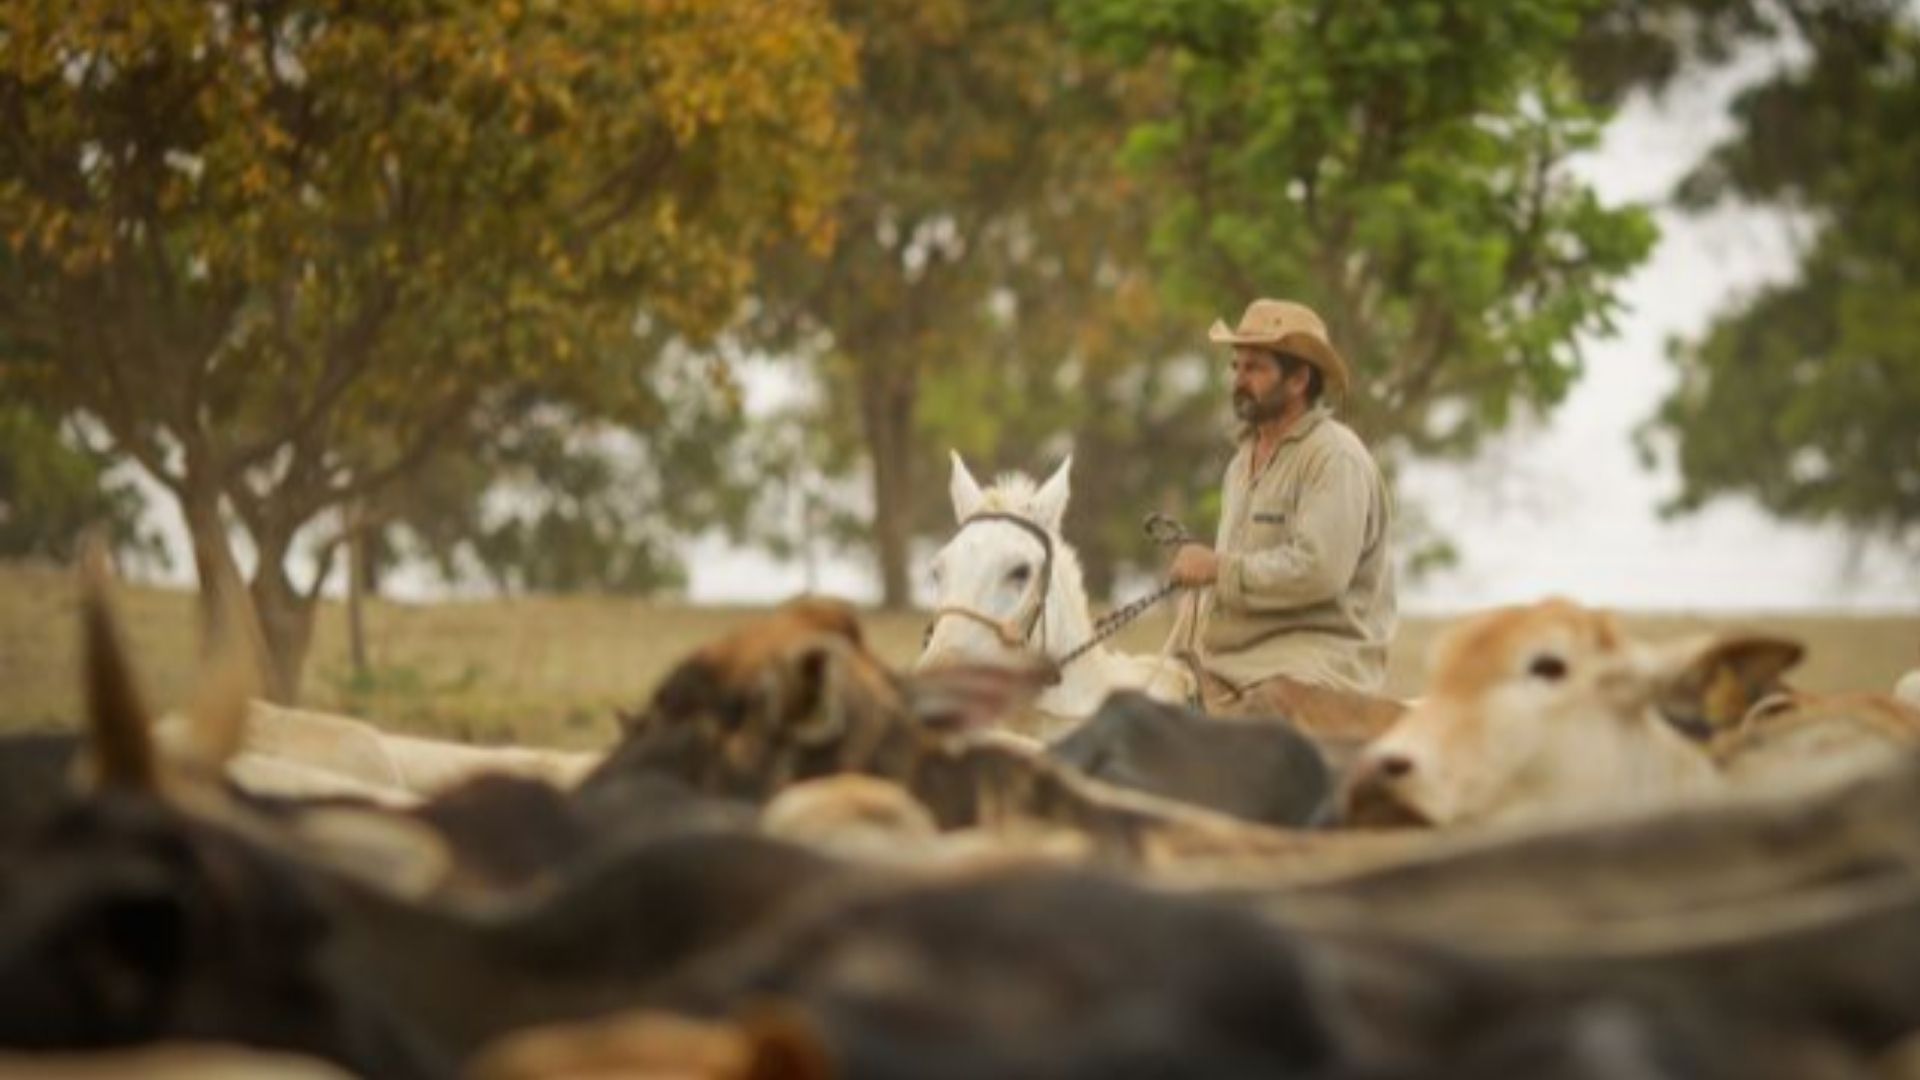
x: 1015, y: 632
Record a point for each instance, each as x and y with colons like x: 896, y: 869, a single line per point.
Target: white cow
x: 357, y: 749
x: 301, y: 752
x: 1549, y: 711
x: 1907, y: 690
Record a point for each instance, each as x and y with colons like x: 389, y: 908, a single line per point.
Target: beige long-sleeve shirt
x: 1306, y: 586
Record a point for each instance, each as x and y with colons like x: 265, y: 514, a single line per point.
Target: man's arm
x: 1316, y: 559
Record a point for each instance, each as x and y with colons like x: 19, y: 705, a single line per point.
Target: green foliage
x: 52, y: 491
x: 1401, y: 167
x: 975, y: 296
x: 555, y: 498
x: 1630, y: 45
x: 1805, y: 396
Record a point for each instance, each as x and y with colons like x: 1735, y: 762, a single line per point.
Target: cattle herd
x: 1577, y: 855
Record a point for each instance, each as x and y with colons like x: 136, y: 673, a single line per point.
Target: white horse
x: 1011, y: 592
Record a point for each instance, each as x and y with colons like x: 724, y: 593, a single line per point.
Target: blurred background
x: 503, y: 351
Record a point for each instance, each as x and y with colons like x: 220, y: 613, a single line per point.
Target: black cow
x: 1259, y: 770
x: 125, y: 921
x: 161, y: 907
x: 1062, y: 974
x: 35, y: 768
x: 122, y: 922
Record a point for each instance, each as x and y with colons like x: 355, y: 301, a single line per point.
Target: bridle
x: 1016, y: 630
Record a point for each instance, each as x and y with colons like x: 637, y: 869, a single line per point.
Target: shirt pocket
x: 1268, y: 523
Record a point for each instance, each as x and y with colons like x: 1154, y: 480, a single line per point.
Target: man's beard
x: 1255, y: 410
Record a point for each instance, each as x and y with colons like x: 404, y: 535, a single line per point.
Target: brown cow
x: 795, y: 697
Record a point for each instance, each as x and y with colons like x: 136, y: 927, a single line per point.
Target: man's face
x: 1259, y: 390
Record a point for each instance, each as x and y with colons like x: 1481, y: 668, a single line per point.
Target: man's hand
x: 1194, y: 564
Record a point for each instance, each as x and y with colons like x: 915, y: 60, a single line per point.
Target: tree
x: 558, y: 501
x: 970, y: 254
x: 283, y: 253
x: 53, y: 489
x: 1401, y: 166
x: 1805, y: 395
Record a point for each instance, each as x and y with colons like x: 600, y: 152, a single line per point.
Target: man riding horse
x: 1298, y: 592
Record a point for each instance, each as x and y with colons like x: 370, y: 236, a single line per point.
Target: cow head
x: 1548, y: 710
x: 143, y: 909
x: 789, y: 696
x: 795, y: 695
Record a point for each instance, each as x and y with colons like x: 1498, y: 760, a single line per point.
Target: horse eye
x: 1019, y: 574
x: 1549, y: 667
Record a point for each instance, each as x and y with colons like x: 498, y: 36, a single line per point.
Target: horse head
x: 1006, y: 578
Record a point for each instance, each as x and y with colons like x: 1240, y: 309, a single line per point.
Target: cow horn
x: 119, y: 744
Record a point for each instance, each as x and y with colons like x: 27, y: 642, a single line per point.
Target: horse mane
x: 1011, y: 493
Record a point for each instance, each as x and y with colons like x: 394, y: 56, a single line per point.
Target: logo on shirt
x: 1269, y: 517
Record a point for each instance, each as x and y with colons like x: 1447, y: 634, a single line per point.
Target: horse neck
x: 1086, y: 682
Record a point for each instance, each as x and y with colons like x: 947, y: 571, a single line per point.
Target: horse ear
x: 1050, y: 502
x: 965, y: 490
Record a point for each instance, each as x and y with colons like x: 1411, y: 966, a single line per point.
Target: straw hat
x: 1284, y: 326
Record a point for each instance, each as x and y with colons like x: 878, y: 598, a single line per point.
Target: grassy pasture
x: 552, y: 670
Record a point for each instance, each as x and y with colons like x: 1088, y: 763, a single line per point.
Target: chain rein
x: 1164, y: 531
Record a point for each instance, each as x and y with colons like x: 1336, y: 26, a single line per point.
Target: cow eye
x: 1549, y: 667
x: 1019, y: 575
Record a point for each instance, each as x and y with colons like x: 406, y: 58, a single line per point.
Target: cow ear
x: 814, y: 696
x: 1712, y: 684
x: 964, y: 489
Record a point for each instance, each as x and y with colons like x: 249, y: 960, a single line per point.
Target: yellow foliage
x: 466, y: 171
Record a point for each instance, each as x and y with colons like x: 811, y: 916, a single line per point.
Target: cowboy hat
x: 1284, y: 326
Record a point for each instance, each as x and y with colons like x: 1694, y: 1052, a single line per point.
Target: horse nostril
x: 1394, y: 765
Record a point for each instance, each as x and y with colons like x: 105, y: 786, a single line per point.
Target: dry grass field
x: 553, y: 669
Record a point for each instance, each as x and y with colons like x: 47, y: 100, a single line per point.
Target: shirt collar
x: 1303, y: 427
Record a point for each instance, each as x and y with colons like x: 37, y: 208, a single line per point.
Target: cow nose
x: 1377, y: 796
x: 1393, y: 766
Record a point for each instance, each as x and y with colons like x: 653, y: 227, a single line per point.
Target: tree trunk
x: 274, y: 620
x: 286, y: 623
x: 886, y: 400
x: 1093, y: 504
x: 213, y: 563
x: 359, y: 583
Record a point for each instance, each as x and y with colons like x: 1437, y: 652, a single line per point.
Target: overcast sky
x: 1566, y: 508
